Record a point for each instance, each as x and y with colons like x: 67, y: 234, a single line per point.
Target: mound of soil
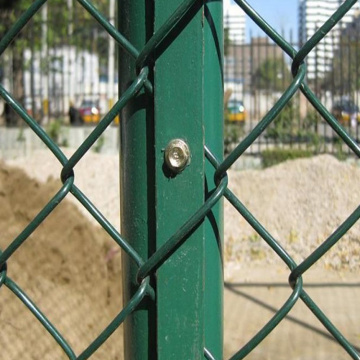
x: 62, y: 267
x: 301, y: 203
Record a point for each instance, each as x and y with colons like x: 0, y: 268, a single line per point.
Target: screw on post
x: 177, y: 155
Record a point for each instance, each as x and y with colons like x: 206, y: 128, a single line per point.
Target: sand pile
x: 63, y: 265
x: 300, y: 203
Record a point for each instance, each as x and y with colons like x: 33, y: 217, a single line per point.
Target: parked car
x: 235, y: 111
x: 89, y: 112
x: 346, y: 112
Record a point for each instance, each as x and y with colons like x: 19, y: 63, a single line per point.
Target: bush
x: 275, y: 156
x: 289, y: 127
x: 232, y: 134
x: 55, y: 131
x: 284, y: 127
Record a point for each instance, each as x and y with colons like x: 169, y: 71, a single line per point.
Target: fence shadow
x: 236, y: 289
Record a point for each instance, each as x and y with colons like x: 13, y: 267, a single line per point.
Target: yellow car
x: 235, y: 112
x: 346, y: 112
x: 89, y: 112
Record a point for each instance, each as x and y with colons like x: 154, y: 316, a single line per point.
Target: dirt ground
x: 253, y: 296
x: 300, y: 203
x: 65, y: 270
x: 62, y: 267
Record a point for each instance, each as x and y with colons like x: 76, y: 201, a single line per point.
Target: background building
x: 312, y: 15
x: 255, y: 73
x: 234, y: 22
x: 72, y: 76
x: 242, y: 61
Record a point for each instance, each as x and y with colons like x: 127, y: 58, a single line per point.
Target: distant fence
x: 256, y: 72
x: 53, y: 63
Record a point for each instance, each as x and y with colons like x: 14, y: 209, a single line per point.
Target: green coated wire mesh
x: 146, y: 267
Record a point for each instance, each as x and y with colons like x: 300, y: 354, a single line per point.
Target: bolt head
x: 177, y: 155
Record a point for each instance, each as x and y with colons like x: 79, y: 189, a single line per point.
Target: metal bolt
x: 177, y: 155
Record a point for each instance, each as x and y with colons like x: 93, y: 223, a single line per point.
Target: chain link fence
x: 146, y: 268
x: 54, y: 65
x: 257, y: 72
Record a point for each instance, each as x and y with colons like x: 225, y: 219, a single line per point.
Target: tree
x: 344, y: 77
x: 8, y: 12
x: 227, y: 41
x: 8, y: 5
x: 273, y: 74
x: 61, y: 17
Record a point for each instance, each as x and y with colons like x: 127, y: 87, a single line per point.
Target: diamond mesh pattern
x: 148, y: 266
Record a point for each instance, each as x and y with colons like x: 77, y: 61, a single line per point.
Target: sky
x: 281, y: 14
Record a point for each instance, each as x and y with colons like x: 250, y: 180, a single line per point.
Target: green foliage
x: 10, y: 11
x: 232, y: 134
x: 227, y: 41
x: 99, y: 144
x: 339, y: 152
x: 55, y: 130
x: 308, y: 130
x: 59, y: 18
x: 289, y: 127
x: 20, y: 136
x: 272, y: 74
x: 283, y: 126
x: 275, y: 156
x: 8, y: 5
x: 344, y: 74
x: 254, y: 238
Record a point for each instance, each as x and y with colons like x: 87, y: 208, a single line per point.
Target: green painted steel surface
x: 170, y: 87
x: 179, y: 115
x: 214, y: 226
x: 136, y: 181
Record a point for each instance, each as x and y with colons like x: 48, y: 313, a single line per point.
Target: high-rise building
x: 234, y: 22
x: 312, y: 15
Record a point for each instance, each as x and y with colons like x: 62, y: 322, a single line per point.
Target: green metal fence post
x: 178, y: 90
x: 171, y: 87
x: 214, y: 229
x: 137, y: 180
x: 157, y: 199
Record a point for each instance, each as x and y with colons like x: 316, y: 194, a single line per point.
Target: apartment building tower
x: 312, y: 15
x: 234, y: 22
